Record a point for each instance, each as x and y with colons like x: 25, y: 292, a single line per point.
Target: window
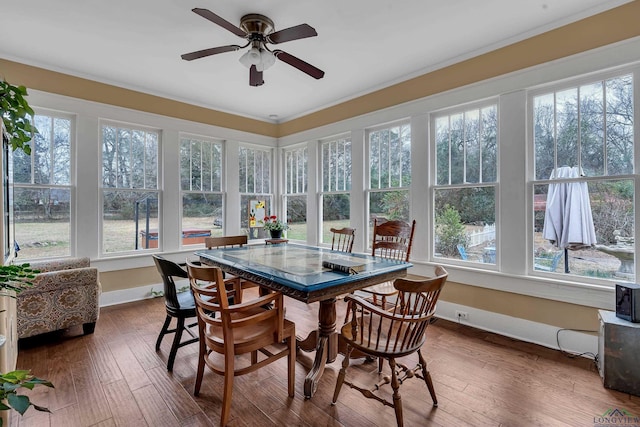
x: 42, y: 192
x: 583, y: 149
x: 466, y: 151
x: 389, y: 173
x: 201, y: 185
x: 295, y: 198
x: 255, y: 189
x: 336, y: 186
x: 129, y: 188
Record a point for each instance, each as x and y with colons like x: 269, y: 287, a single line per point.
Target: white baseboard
x: 522, y: 329
x: 128, y: 295
x: 513, y: 327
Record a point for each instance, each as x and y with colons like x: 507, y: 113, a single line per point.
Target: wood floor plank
x: 123, y: 404
x: 105, y: 364
x: 129, y: 366
x: 153, y: 407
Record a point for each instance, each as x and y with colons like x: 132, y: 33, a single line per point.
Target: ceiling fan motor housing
x: 256, y: 26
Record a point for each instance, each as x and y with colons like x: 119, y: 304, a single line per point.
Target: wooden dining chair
x: 230, y: 242
x: 392, y: 334
x: 342, y: 239
x: 229, y: 331
x: 179, y: 305
x: 391, y: 240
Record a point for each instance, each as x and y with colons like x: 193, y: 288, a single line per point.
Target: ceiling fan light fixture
x: 267, y: 59
x: 251, y: 57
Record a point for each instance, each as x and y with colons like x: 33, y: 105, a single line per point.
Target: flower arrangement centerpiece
x: 274, y: 226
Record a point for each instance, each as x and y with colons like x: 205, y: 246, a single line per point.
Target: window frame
x: 300, y: 150
x: 478, y: 105
x: 70, y: 186
x: 220, y: 192
x: 343, y: 139
x: 266, y: 195
x: 368, y: 190
x: 532, y: 181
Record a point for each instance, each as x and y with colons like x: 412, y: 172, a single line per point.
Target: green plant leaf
x: 19, y: 403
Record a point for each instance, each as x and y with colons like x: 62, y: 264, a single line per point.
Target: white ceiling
x: 362, y: 45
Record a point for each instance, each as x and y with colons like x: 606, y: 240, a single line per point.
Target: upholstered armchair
x: 65, y: 293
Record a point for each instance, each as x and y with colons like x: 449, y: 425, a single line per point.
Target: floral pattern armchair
x: 65, y: 293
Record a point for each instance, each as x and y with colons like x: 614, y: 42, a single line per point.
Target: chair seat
x: 186, y: 301
x: 386, y: 289
x: 246, y: 335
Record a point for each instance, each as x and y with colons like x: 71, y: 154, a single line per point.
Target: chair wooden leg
x: 291, y: 358
x: 163, y: 332
x: 176, y: 343
x: 427, y: 378
x: 380, y: 363
x: 342, y: 374
x: 200, y: 373
x: 229, y: 373
x: 395, y: 385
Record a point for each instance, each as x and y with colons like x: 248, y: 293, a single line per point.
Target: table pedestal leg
x: 324, y: 341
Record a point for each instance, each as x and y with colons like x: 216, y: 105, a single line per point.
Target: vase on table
x: 276, y: 234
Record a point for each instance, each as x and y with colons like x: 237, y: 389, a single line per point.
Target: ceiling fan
x: 258, y: 30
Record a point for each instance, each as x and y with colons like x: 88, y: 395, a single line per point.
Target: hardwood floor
x: 115, y: 378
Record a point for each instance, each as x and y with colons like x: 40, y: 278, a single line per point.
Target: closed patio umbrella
x: 568, y: 222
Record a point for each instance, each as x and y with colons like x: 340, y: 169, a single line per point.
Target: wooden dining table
x: 298, y: 272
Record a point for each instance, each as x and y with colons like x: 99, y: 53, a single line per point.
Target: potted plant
x: 9, y: 397
x: 274, y: 226
x: 15, y: 112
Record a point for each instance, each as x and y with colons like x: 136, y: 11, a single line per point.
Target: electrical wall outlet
x: 462, y: 315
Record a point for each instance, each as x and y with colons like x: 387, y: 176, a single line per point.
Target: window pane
x: 472, y: 145
x: 296, y: 217
x: 201, y: 213
x: 443, y: 134
x: 335, y: 214
x: 619, y: 125
x: 544, y: 135
x: 336, y: 165
x: 42, y: 222
x: 129, y: 158
x: 61, y: 151
x: 489, y: 144
x: 612, y: 210
x: 388, y: 205
x: 295, y: 162
x: 567, y: 127
x: 390, y: 157
x: 465, y: 224
x: 130, y: 220
x: 592, y: 129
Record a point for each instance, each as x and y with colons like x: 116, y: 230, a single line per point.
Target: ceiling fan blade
x: 207, y: 14
x: 305, y: 67
x: 208, y: 52
x: 293, y: 33
x: 255, y: 77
